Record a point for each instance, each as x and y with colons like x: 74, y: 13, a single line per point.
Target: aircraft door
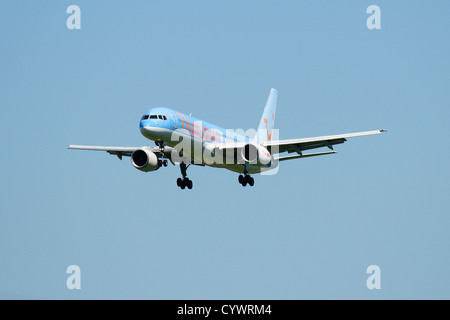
x: 175, y: 121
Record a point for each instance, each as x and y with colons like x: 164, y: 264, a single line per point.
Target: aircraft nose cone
x: 149, y: 131
x: 153, y: 130
x: 146, y: 124
x: 145, y: 129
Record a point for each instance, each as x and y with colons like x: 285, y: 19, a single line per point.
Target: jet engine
x: 256, y: 154
x: 145, y: 160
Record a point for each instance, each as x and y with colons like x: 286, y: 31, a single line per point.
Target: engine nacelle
x: 145, y: 160
x: 256, y: 154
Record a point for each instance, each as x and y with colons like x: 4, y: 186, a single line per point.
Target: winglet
x: 383, y: 130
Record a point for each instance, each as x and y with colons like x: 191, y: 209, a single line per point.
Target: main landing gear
x: 244, y: 180
x: 185, y: 181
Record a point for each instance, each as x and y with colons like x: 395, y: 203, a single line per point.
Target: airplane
x: 205, y: 144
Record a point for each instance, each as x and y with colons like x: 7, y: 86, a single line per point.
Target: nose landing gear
x: 161, y: 161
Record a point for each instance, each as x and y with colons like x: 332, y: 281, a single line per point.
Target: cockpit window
x: 145, y: 117
x: 157, y: 116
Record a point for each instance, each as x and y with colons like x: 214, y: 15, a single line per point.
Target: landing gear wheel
x: 165, y: 163
x: 244, y: 180
x: 185, y: 181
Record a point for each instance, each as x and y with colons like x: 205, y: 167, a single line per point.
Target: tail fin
x: 266, y: 124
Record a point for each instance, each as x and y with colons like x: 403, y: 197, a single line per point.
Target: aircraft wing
x: 120, y: 151
x: 300, y: 145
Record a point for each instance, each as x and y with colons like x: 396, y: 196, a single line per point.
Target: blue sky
x: 308, y: 232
